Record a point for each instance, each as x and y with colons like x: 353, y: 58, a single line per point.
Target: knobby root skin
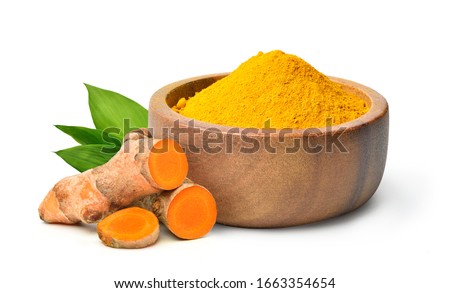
x: 189, y: 211
x: 143, y: 166
x: 129, y: 228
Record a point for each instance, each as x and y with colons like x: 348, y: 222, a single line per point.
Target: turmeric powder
x: 276, y: 87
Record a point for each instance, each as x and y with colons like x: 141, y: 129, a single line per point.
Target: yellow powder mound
x: 278, y: 87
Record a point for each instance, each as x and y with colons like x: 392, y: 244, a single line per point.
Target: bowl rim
x: 378, y: 109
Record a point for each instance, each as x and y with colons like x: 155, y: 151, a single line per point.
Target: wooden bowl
x: 285, y: 177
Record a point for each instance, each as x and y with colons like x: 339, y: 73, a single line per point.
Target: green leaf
x: 113, y: 110
x: 84, y: 135
x: 85, y: 157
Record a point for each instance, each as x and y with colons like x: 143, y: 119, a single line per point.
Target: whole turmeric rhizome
x: 144, y: 183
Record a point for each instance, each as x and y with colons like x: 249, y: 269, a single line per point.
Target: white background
x: 398, y: 241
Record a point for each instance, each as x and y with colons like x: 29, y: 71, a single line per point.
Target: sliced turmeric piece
x: 192, y: 212
x: 129, y: 228
x: 167, y: 164
x: 189, y: 211
x: 143, y: 166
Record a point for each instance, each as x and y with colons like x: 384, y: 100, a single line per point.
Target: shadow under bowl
x: 265, y: 178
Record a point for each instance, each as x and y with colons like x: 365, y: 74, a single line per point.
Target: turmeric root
x: 129, y: 228
x: 143, y: 166
x: 189, y: 211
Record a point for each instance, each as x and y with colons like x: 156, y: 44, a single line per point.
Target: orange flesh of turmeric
x: 192, y: 213
x: 129, y: 228
x: 168, y: 164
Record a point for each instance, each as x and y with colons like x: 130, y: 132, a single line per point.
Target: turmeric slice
x: 129, y: 228
x: 143, y: 166
x: 189, y: 211
x: 167, y: 164
x: 192, y: 212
